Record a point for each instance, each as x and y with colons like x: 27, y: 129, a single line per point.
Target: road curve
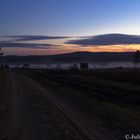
x: 36, y: 113
x: 30, y: 115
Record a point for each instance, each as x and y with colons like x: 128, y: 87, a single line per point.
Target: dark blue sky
x: 69, y: 17
x: 44, y: 24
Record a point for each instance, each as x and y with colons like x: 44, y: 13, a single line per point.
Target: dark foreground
x: 70, y: 105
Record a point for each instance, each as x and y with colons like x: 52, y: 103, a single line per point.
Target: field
x: 75, y: 105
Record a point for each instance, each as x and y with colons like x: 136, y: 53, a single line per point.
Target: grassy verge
x: 47, y: 108
x: 123, y: 118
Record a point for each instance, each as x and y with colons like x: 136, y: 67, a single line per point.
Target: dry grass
x: 118, y: 116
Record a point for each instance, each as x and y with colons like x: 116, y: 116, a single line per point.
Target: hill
x: 72, y: 57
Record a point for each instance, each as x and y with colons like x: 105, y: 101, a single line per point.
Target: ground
x: 70, y: 105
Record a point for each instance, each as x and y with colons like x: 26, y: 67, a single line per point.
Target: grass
x: 122, y: 75
x: 116, y: 114
x: 2, y: 80
x: 4, y: 104
x: 44, y: 106
x: 123, y: 117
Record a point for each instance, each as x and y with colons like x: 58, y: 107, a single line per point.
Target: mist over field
x: 69, y: 69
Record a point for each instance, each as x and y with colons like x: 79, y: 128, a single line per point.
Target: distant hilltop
x: 75, y: 57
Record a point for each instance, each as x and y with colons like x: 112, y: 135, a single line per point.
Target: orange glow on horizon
x: 70, y: 48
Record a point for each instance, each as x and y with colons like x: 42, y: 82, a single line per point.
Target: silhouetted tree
x: 58, y: 67
x: 1, y: 54
x: 26, y: 65
x: 84, y: 66
x: 6, y: 66
x: 136, y: 57
x: 74, y: 67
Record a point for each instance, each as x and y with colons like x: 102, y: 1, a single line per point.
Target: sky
x: 56, y: 22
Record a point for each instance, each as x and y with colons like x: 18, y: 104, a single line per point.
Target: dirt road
x: 28, y: 115
x: 35, y: 113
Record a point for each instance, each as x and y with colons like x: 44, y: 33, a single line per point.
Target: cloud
x: 26, y: 45
x: 106, y: 39
x: 34, y: 37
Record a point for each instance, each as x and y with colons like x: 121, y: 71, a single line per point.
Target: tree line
x: 135, y: 56
x: 1, y: 54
